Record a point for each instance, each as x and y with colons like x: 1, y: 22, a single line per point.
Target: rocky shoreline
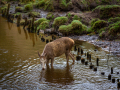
x: 110, y: 46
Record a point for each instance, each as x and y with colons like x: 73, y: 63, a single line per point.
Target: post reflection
x: 32, y: 37
x: 26, y: 36
x: 57, y: 75
x: 19, y: 30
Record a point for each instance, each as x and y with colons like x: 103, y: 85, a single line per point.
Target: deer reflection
x: 58, y: 75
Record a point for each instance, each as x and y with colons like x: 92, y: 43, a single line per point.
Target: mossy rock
x: 102, y: 34
x: 39, y: 21
x: 107, y: 11
x: 28, y: 7
x: 60, y: 21
x: 75, y: 17
x: 98, y: 25
x: 113, y: 20
x: 93, y: 21
x: 34, y: 14
x: 19, y: 9
x: 40, y: 3
x: 49, y: 5
x: 65, y: 6
x: 16, y: 14
x: 50, y: 16
x: 78, y: 27
x: 43, y: 25
x: 114, y: 28
x: 65, y: 29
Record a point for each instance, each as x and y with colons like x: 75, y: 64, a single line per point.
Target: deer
x: 56, y: 48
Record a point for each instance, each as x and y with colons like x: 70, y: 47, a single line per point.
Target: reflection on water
x: 20, y: 66
x: 59, y: 75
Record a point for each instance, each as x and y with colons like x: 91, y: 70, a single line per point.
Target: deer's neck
x: 43, y: 53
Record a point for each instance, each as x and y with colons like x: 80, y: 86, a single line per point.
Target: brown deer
x: 55, y: 49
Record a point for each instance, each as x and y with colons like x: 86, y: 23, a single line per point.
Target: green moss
x: 19, y: 9
x: 93, y: 21
x: 101, y: 35
x: 114, y: 28
x: 34, y: 14
x: 45, y: 4
x: 28, y: 7
x: 78, y: 27
x: 107, y: 11
x: 39, y: 4
x: 76, y: 17
x: 39, y: 21
x: 65, y: 29
x: 49, y: 5
x: 43, y: 25
x: 113, y: 20
x: 60, y: 21
x: 50, y: 16
x: 65, y: 5
x: 69, y: 15
x: 98, y: 25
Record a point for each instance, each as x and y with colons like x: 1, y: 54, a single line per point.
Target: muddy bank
x: 110, y: 46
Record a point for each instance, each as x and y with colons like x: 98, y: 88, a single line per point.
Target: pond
x: 20, y: 66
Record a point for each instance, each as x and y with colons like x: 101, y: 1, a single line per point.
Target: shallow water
x: 20, y: 66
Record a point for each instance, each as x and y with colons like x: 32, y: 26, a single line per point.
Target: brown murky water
x: 20, y: 67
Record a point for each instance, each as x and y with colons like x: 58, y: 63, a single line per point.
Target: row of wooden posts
x: 91, y: 66
x: 10, y: 18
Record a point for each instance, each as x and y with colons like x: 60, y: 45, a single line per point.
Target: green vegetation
x: 65, y: 5
x: 97, y: 25
x: 45, y: 4
x: 39, y: 21
x: 50, y: 16
x: 19, y: 9
x: 39, y: 4
x: 43, y: 25
x: 107, y: 11
x: 76, y: 17
x: 33, y: 14
x: 60, y: 21
x: 114, y: 28
x: 69, y: 15
x: 65, y: 29
x: 113, y: 20
x: 93, y: 21
x: 76, y: 27
x: 28, y: 7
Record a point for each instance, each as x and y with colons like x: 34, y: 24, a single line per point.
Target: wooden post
x: 18, y: 20
x: 111, y: 70
x: 75, y: 48
x: 81, y: 52
x: 89, y: 57
x: 8, y: 8
x: 33, y: 19
x: 97, y: 62
x: 25, y: 23
x: 109, y: 77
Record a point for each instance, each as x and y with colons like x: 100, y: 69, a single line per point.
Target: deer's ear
x: 38, y: 54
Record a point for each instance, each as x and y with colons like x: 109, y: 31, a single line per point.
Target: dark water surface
x: 20, y: 67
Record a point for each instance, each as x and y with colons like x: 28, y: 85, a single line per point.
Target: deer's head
x: 42, y: 60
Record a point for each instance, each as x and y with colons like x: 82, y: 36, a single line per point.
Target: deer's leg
x: 72, y: 56
x: 47, y: 62
x: 67, y: 56
x: 52, y: 60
